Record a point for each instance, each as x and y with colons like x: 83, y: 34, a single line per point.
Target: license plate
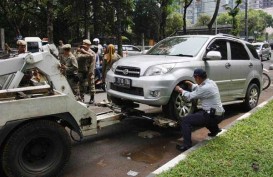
x: 123, y: 82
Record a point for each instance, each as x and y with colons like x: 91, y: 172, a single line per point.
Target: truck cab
x: 34, y: 44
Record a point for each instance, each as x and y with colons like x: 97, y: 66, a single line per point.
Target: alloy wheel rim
x: 253, y: 98
x: 183, y: 106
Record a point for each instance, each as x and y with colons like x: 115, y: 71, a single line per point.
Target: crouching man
x: 212, y: 112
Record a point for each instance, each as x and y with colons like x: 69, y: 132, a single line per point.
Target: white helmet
x: 96, y: 40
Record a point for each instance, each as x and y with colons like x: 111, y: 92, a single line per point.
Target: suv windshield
x: 179, y: 46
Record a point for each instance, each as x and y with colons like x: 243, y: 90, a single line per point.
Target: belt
x: 216, y: 113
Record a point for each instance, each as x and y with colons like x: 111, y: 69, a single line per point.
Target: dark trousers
x: 198, y: 119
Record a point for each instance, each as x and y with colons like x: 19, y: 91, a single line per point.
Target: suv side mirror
x: 213, y: 55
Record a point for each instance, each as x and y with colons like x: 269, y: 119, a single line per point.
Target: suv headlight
x: 114, y: 66
x: 159, y: 69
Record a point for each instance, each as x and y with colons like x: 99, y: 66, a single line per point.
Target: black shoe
x: 212, y: 134
x: 91, y: 99
x: 182, y: 148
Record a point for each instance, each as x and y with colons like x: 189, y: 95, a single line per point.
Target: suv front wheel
x: 178, y: 107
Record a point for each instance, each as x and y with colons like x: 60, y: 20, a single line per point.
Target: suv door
x: 240, y: 67
x: 219, y: 70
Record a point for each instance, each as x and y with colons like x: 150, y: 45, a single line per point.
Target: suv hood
x: 145, y: 61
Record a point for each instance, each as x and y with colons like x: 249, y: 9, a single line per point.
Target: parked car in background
x: 151, y: 78
x: 263, y: 50
x: 147, y: 48
x: 130, y: 50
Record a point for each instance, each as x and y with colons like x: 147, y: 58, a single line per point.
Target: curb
x: 183, y: 155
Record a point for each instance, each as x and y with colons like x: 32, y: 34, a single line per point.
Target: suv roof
x: 259, y: 43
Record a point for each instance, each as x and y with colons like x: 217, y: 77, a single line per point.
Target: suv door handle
x: 227, y: 65
x: 250, y: 65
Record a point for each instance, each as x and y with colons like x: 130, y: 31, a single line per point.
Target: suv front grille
x: 132, y: 90
x: 127, y: 71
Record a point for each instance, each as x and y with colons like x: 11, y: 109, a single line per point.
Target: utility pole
x: 246, y: 20
x: 119, y: 40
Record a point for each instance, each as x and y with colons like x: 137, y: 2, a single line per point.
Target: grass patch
x: 246, y: 149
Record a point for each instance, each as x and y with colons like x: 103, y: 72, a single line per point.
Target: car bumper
x: 150, y: 90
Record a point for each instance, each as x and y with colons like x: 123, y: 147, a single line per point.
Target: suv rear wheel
x: 178, y: 107
x: 252, y: 96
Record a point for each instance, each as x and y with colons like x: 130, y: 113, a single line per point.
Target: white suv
x: 263, y: 50
x: 150, y: 79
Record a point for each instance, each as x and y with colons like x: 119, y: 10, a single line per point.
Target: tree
x: 174, y: 22
x: 186, y: 3
x: 165, y: 11
x: 23, y: 18
x: 258, y: 20
x: 233, y: 13
x: 147, y: 18
x: 214, y: 16
x: 203, y: 20
x: 224, y: 19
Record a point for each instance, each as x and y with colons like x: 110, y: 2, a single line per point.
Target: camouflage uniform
x: 71, y: 72
x: 86, y: 64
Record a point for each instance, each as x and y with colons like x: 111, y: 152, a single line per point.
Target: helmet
x: 96, y: 40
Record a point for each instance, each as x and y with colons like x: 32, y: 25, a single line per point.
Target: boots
x: 91, y: 99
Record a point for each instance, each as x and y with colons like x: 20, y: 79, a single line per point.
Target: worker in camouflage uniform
x: 69, y: 67
x: 21, y: 46
x: 86, y: 61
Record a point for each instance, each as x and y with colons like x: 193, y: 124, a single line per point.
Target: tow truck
x: 38, y: 121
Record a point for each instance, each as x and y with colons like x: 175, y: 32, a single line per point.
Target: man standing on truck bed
x: 21, y: 46
x: 69, y: 67
x: 212, y: 111
x: 86, y: 61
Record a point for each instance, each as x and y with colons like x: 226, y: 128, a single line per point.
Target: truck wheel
x: 178, y: 106
x: 1, y: 166
x: 252, y: 96
x: 40, y: 148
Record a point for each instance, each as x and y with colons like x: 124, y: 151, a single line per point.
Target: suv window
x: 238, y: 51
x: 253, y: 51
x: 221, y: 46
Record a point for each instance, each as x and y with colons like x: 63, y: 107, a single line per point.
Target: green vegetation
x: 72, y: 20
x: 258, y: 20
x: 246, y: 149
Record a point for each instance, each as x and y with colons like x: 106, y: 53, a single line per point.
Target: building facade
x: 199, y: 7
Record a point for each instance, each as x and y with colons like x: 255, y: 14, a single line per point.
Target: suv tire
x: 178, y: 107
x: 252, y: 96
